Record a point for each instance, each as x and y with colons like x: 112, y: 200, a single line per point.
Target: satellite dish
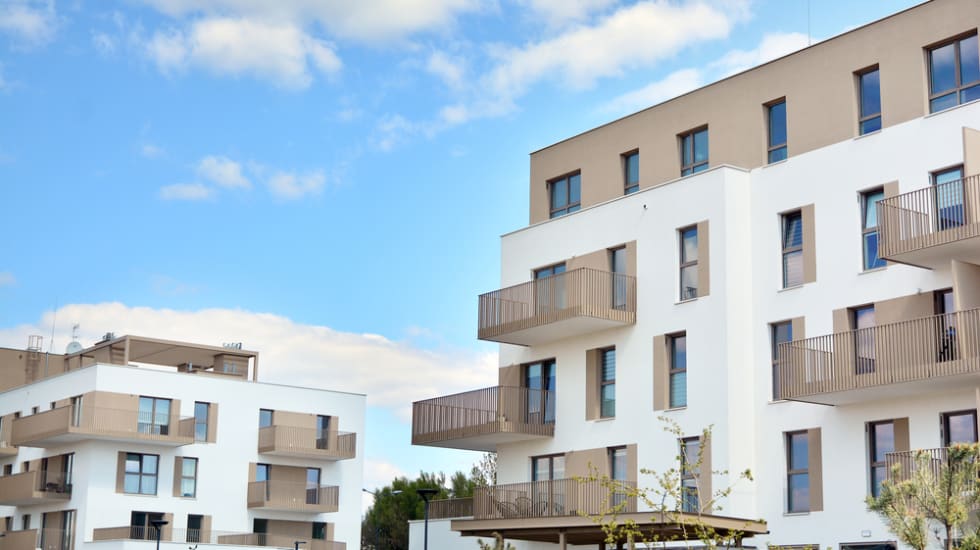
x: 73, y: 347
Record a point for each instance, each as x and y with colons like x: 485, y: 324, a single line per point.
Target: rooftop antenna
x: 809, y: 39
x: 54, y: 321
x: 74, y: 346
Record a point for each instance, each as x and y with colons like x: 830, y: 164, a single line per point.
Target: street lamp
x: 158, y: 524
x: 296, y: 544
x: 426, y: 494
x: 377, y: 527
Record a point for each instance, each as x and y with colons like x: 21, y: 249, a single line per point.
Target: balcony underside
x: 938, y: 382
x: 58, y: 439
x: 485, y: 437
x: 8, y: 451
x: 303, y: 452
x: 34, y: 498
x: 298, y: 508
x: 936, y: 251
x: 542, y: 329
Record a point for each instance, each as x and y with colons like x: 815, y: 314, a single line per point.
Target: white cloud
x: 673, y: 85
x: 7, y: 279
x: 557, y: 12
x: 186, y: 192
x: 393, y: 374
x: 224, y: 172
x: 279, y: 52
x: 772, y: 46
x: 291, y: 186
x: 30, y: 22
x: 105, y: 44
x: 451, y: 70
x: 151, y: 151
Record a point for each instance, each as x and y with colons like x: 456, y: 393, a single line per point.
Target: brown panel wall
x: 212, y: 423
x: 510, y: 376
x: 581, y: 463
x: 704, y: 473
x: 971, y: 152
x: 904, y: 308
x: 121, y: 470
x: 902, y: 435
x: 594, y: 260
x: 966, y: 285
x: 809, y: 244
x: 798, y: 325
x: 592, y: 384
x: 294, y: 419
x: 704, y: 259
x: 661, y: 373
x: 815, y: 457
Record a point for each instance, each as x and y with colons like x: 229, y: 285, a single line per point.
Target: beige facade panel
x: 592, y: 374
x: 511, y: 376
x: 704, y: 259
x: 809, y: 244
x: 34, y: 487
x: 815, y: 463
x: 902, y: 435
x: 661, y: 373
x: 971, y: 152
x: 819, y: 86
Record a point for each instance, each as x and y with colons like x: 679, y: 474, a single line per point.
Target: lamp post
x: 426, y: 494
x: 158, y: 524
x: 377, y: 528
x: 296, y: 544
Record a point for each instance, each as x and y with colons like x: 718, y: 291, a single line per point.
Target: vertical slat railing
x: 489, y: 410
x: 551, y: 498
x: 930, y: 216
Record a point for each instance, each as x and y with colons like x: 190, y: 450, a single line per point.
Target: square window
x: 954, y: 73
x: 565, y: 194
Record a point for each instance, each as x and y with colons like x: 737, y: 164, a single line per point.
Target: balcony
x: 307, y: 443
x: 209, y: 536
x: 451, y: 508
x: 548, y: 499
x: 37, y: 487
x: 19, y: 540
x: 573, y: 303
x: 290, y: 496
x: 929, y: 354
x: 482, y: 419
x: 931, y: 226
x: 6, y: 449
x: 64, y: 425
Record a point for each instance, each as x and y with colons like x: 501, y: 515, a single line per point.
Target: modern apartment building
x: 99, y: 445
x: 790, y: 255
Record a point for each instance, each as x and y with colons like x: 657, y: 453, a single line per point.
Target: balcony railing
x: 451, y: 508
x: 929, y: 353
x: 480, y: 419
x: 567, y: 304
x: 909, y: 461
x: 20, y: 540
x: 553, y: 498
x: 911, y: 223
x: 208, y: 536
x: 307, y: 443
x: 293, y: 496
x: 35, y: 487
x: 65, y: 424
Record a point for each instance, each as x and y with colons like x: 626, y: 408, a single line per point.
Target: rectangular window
x: 690, y: 467
x: 959, y: 427
x: 792, y: 249
x: 25, y: 522
x: 797, y: 472
x: 545, y: 468
x: 881, y: 441
x: 313, y: 486
x: 154, y: 416
x: 863, y: 322
x: 689, y: 262
x: 201, y: 421
x: 265, y: 418
x: 140, y: 476
x: 776, y: 115
x: 539, y: 383
x: 954, y: 74
x: 869, y: 228
x: 607, y: 383
x: 946, y: 331
x: 678, y: 370
x: 322, y: 431
x: 194, y: 525
x: 694, y: 151
x: 617, y: 472
x: 188, y: 477
x: 262, y: 472
x: 565, y: 194
x: 549, y: 290
x: 869, y: 97
x: 631, y: 172
x: 620, y: 282
x: 947, y: 186
x: 780, y: 333
x: 319, y: 530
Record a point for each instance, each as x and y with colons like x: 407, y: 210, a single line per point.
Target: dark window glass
x: 780, y: 333
x: 948, y: 191
x: 869, y: 228
x: 689, y: 263
x: 566, y: 195
x: 870, y: 85
x: 694, y: 152
x: 792, y: 249
x: 678, y: 371
x: 607, y: 386
x: 140, y: 475
x: 798, y: 472
x: 882, y: 442
x: 201, y: 421
x: 265, y: 418
x: 777, y: 131
x: 539, y: 381
x: 959, y: 427
x: 631, y: 168
x: 954, y: 74
x: 690, y: 465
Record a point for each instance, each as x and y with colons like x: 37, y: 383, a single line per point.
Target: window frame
x: 198, y: 423
x: 774, y: 355
x: 604, y: 382
x: 689, y: 474
x: 154, y: 428
x: 944, y: 424
x: 866, y: 231
x: 569, y: 207
x: 792, y: 472
x: 551, y: 466
x: 873, y: 464
x: 791, y: 249
x: 674, y: 370
x: 687, y: 141
x: 629, y: 186
x: 271, y: 415
x: 140, y: 474
x: 959, y: 86
x: 775, y: 148
x: 684, y: 263
x: 862, y: 116
x: 184, y: 477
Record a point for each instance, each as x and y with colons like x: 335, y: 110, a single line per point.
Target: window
x: 797, y: 472
x: 141, y: 525
x: 188, y: 477
x: 549, y: 290
x: 792, y: 249
x: 265, y: 418
x: 201, y: 421
x: 154, y: 416
x: 946, y: 335
x: 140, y: 476
x: 617, y: 472
x: 959, y: 427
x: 322, y: 432
x: 863, y: 322
x: 954, y: 74
x: 566, y: 195
x: 869, y: 228
x: 881, y: 441
x: 539, y: 383
x: 631, y: 172
x: 319, y: 530
x: 620, y: 286
x: 689, y: 262
x: 194, y: 526
x: 545, y: 468
x: 780, y: 333
x: 948, y: 188
x: 678, y: 370
x: 313, y: 486
x: 25, y: 522
x: 776, y: 115
x: 694, y: 151
x: 262, y: 472
x: 869, y: 97
x: 607, y: 383
x: 690, y: 468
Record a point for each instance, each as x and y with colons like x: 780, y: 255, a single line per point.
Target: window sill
x: 779, y: 401
x: 794, y: 514
x: 875, y: 270
x: 675, y: 409
x: 777, y: 163
x: 137, y: 495
x: 604, y: 419
x: 687, y: 301
x: 862, y: 136
x: 789, y: 288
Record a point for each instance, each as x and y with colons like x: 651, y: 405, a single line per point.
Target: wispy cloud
x: 560, y: 12
x: 151, y: 151
x: 672, y: 85
x: 7, y: 279
x: 293, y: 186
x: 772, y: 46
x: 185, y: 192
x: 104, y: 43
x: 29, y: 22
x: 451, y: 70
x: 224, y: 172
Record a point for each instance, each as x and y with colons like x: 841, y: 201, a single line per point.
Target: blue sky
x: 325, y: 181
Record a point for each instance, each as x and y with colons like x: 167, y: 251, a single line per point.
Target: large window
x: 201, y: 420
x: 959, y: 427
x: 188, y: 477
x: 954, y: 74
x: 689, y: 262
x: 694, y: 151
x: 620, y: 286
x: 194, y: 525
x: 631, y: 172
x: 618, y: 472
x: 869, y: 97
x: 140, y: 476
x: 154, y: 416
x: 881, y: 441
x: 607, y: 383
x: 565, y: 195
x: 678, y: 370
x: 792, y: 249
x: 948, y: 187
x: 869, y: 228
x: 690, y: 465
x: 323, y: 426
x: 539, y: 383
x: 545, y: 468
x: 776, y: 115
x: 549, y: 291
x: 863, y: 322
x: 797, y: 472
x: 780, y: 333
x: 313, y: 486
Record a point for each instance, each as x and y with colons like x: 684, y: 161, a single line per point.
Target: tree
x: 498, y: 543
x: 933, y: 490
x: 385, y: 524
x: 665, y: 498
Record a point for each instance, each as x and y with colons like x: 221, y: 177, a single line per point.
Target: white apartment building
x: 790, y: 255
x: 100, y: 444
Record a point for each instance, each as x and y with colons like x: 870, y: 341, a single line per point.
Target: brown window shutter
x: 809, y: 244
x: 704, y: 262
x: 815, y: 470
x: 661, y: 389
x: 592, y: 384
x: 120, y: 471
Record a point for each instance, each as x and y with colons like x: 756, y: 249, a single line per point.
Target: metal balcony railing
x: 451, y: 508
x: 291, y: 495
x: 33, y: 487
x: 310, y: 442
x: 209, y: 536
x: 935, y: 459
x: 552, y: 498
x: 95, y: 421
